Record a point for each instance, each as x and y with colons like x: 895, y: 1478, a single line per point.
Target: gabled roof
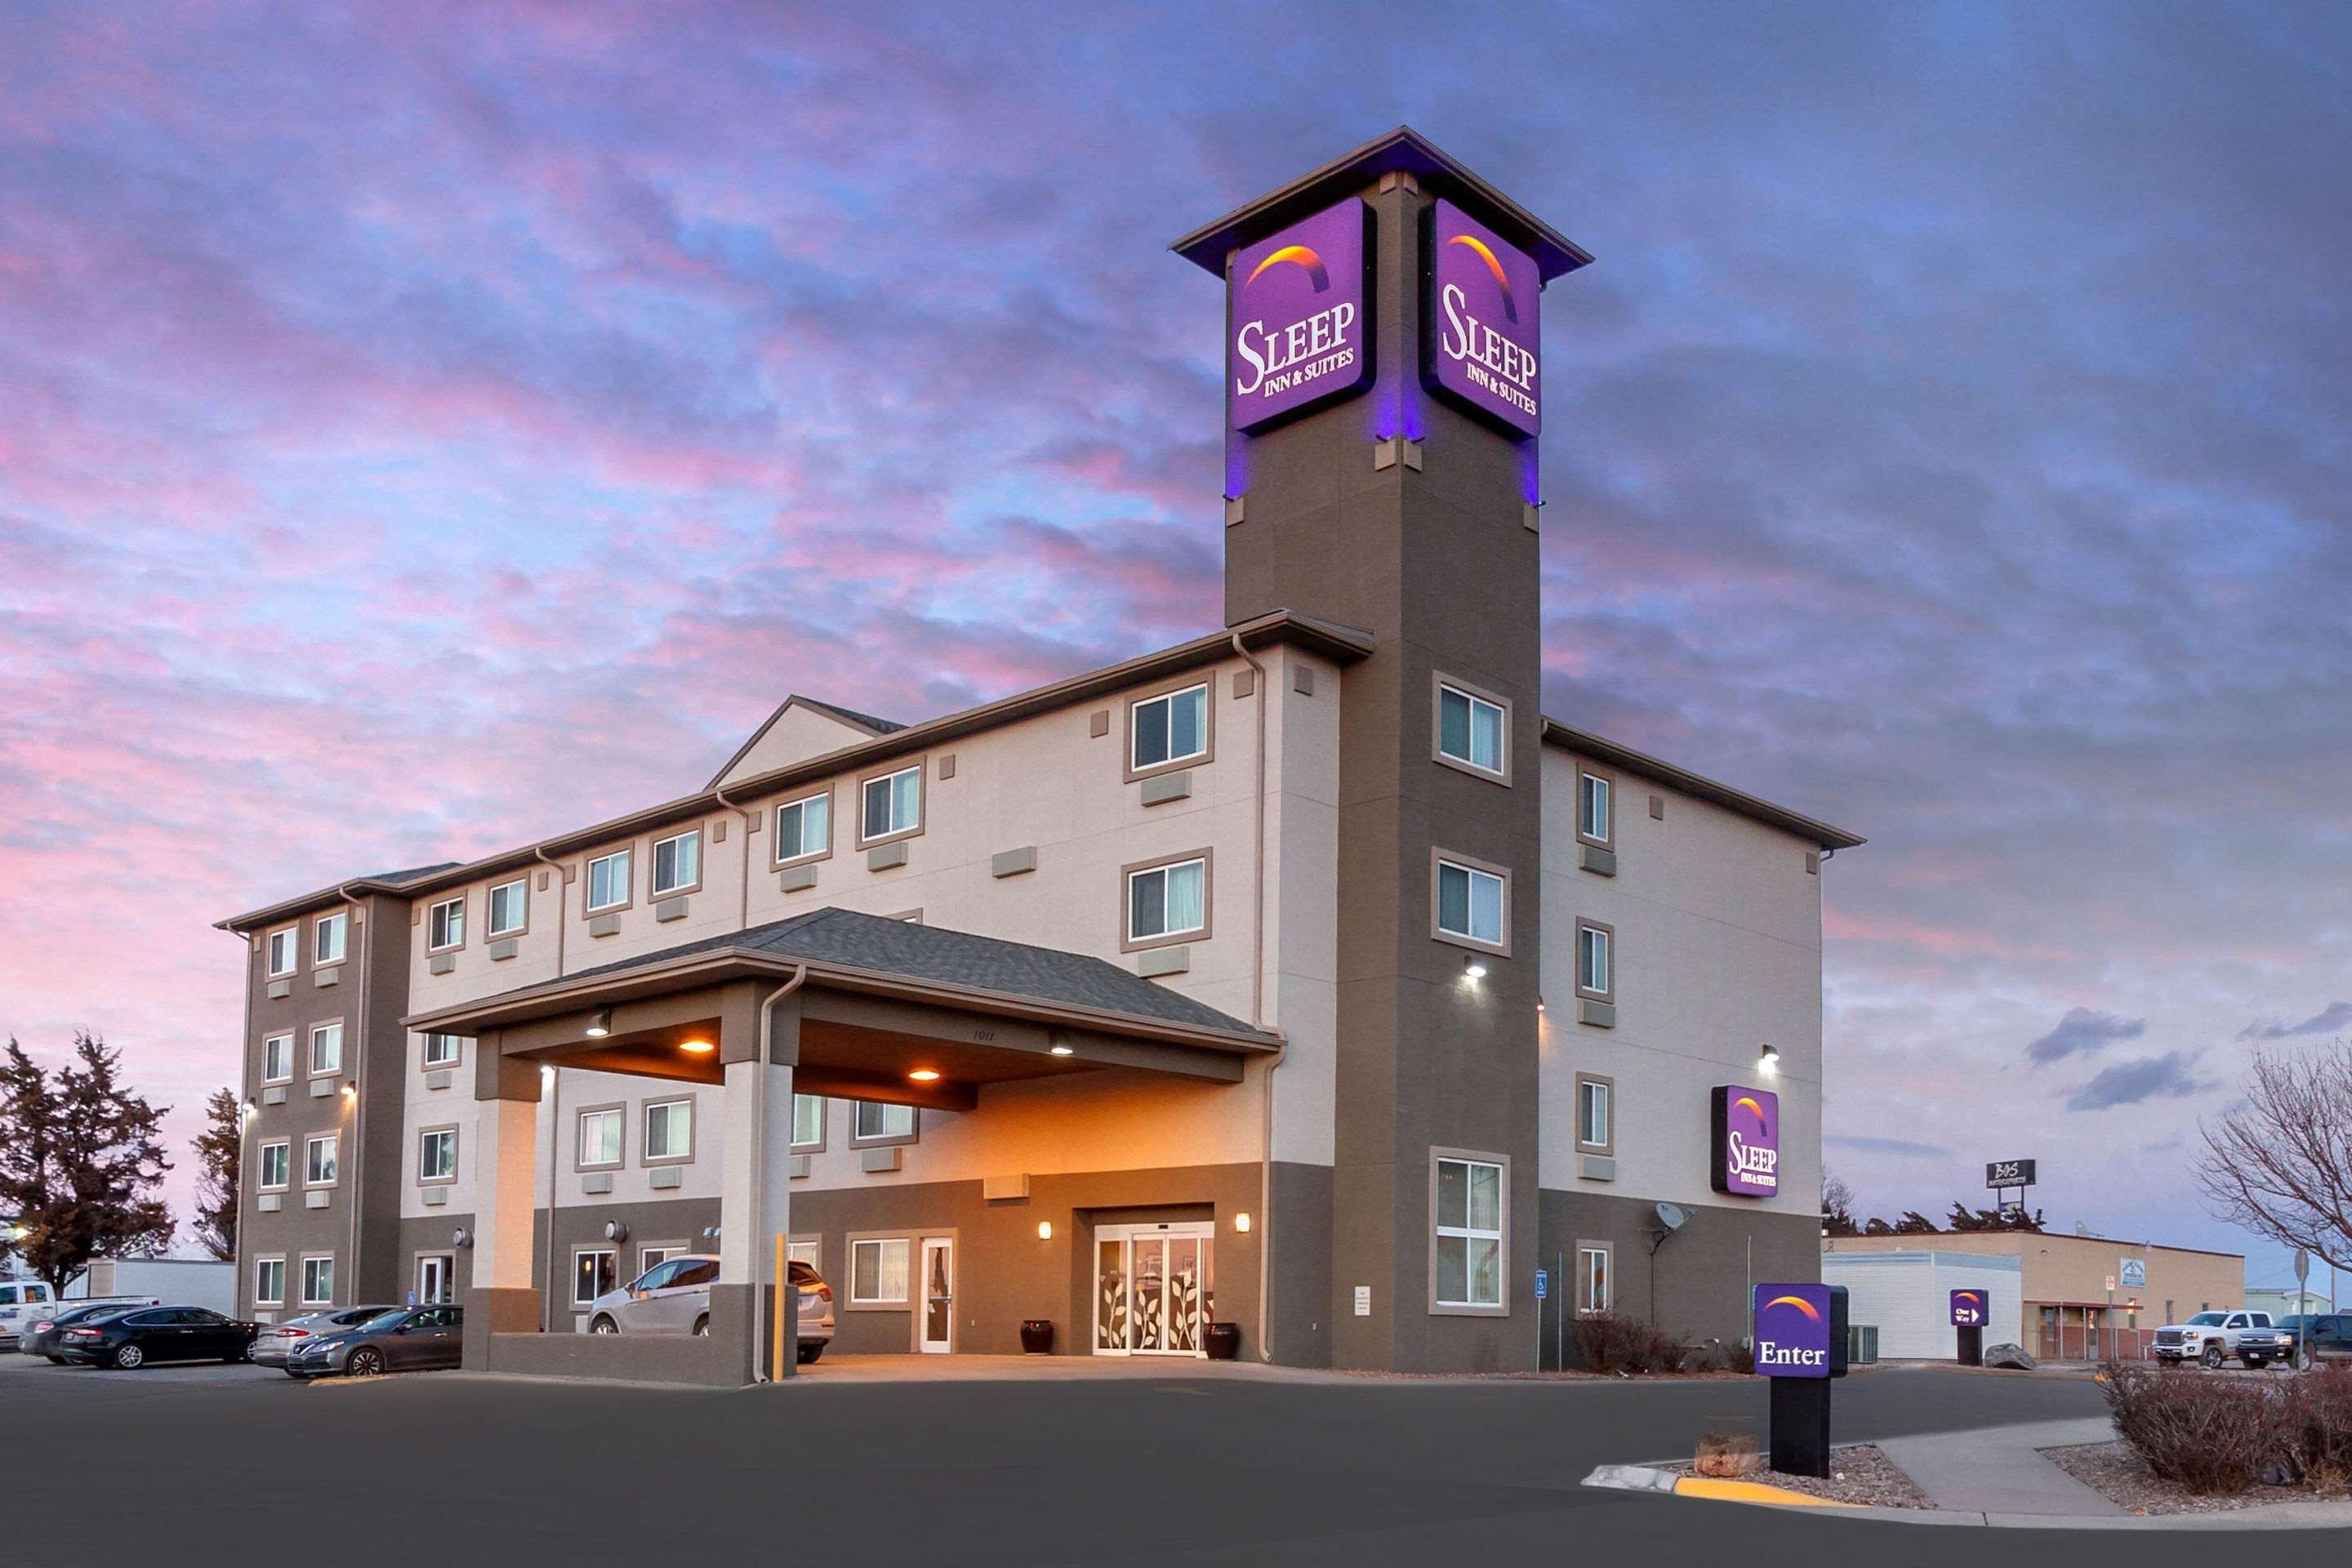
x: 850, y: 716
x: 843, y: 944
x: 1585, y: 743
x: 382, y: 882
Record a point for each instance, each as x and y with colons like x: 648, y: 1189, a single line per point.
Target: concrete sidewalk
x: 1998, y: 1469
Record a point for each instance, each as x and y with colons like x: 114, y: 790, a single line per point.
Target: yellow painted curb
x: 1750, y: 1491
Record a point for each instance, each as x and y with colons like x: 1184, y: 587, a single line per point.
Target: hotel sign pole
x: 1800, y: 1345
x: 1968, y: 1314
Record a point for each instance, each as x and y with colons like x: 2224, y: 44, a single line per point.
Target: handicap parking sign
x: 1543, y: 1283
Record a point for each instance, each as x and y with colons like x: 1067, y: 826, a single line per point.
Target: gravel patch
x: 1861, y: 1475
x: 2123, y: 1478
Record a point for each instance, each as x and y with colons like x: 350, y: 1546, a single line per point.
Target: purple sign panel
x: 1746, y: 1142
x: 1481, y: 337
x: 1793, y: 1324
x: 1297, y: 314
x: 1969, y: 1309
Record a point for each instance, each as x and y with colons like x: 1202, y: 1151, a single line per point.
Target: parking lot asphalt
x: 214, y: 1463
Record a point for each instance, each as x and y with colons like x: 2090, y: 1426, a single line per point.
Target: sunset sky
x: 426, y: 428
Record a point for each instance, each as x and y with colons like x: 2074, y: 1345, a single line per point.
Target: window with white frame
x: 1592, y: 808
x: 270, y: 1281
x: 803, y: 828
x: 677, y: 863
x: 1167, y: 901
x: 893, y: 804
x: 443, y: 1050
x: 284, y: 951
x: 600, y: 1137
x: 669, y: 1130
x: 1594, y: 960
x: 608, y: 881
x: 318, y: 1281
x: 1594, y: 1272
x: 1167, y: 729
x: 806, y: 1249
x: 1469, y: 903
x: 1470, y: 729
x: 329, y: 936
x: 444, y: 925
x: 594, y: 1270
x: 436, y: 1155
x: 278, y: 1059
x: 876, y: 1119
x: 808, y: 1121
x: 508, y: 910
x: 276, y: 1165
x: 318, y: 1160
x: 877, y: 1271
x: 326, y: 1048
x: 1467, y: 1261
x: 1592, y: 1113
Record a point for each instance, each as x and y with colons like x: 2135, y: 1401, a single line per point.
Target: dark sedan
x: 131, y: 1339
x: 406, y: 1339
x: 41, y: 1338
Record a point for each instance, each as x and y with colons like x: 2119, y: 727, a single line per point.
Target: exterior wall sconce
x: 350, y: 1091
x: 1242, y: 1223
x: 600, y: 1022
x: 1474, y: 968
x: 1769, y: 1059
x: 1045, y: 1230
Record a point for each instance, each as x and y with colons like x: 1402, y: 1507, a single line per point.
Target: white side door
x: 935, y: 1324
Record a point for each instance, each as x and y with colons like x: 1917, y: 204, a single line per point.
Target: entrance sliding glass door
x: 1154, y: 1287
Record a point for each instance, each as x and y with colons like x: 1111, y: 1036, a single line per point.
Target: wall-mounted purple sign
x: 1298, y: 308
x: 1746, y: 1142
x: 1968, y: 1309
x: 1482, y: 320
x: 1793, y: 1329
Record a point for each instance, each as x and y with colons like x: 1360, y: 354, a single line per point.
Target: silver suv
x: 673, y: 1296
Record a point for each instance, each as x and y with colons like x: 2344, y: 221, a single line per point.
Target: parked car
x: 673, y: 1296
x: 404, y: 1339
x: 2318, y: 1337
x: 128, y: 1340
x: 21, y: 1301
x: 276, y: 1342
x: 2213, y: 1338
x: 41, y: 1337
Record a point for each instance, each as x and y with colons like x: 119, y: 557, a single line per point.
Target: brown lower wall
x: 1696, y: 1288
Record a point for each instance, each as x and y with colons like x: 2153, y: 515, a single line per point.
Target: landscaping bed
x: 2123, y: 1478
x: 1860, y: 1475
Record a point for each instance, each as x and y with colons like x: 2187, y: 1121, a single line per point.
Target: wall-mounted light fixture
x: 1242, y: 1223
x: 350, y: 1091
x: 1062, y: 1050
x: 1769, y: 1059
x: 1045, y: 1230
x: 547, y: 1074
x: 600, y: 1022
x: 1472, y: 967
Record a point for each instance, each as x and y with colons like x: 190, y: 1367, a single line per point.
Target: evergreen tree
x: 81, y: 1157
x: 217, y: 1148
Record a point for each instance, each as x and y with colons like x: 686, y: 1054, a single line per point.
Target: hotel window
x: 284, y: 951
x: 877, y: 1271
x: 1168, y: 729
x: 326, y: 1049
x: 608, y: 881
x: 443, y: 1050
x: 1593, y: 1271
x: 1471, y: 731
x: 319, y: 1161
x: 594, y: 1270
x: 1473, y: 905
x: 893, y: 805
x: 270, y: 1281
x: 878, y: 1122
x: 445, y: 925
x: 1592, y: 809
x: 276, y: 1162
x: 678, y: 864
x: 1167, y: 902
x: 1593, y: 961
x: 808, y: 1122
x: 509, y: 908
x: 601, y: 1131
x: 436, y: 1155
x: 328, y: 935
x: 670, y: 1131
x: 318, y: 1281
x: 1466, y: 1267
x: 278, y: 1059
x: 803, y: 828
x: 1594, y: 1133
x: 805, y: 1249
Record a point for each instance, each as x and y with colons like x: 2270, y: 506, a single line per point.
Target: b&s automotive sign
x: 1746, y: 1142
x: 1481, y: 321
x: 1300, y: 325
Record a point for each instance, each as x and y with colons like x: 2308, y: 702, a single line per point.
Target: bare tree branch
x: 2280, y: 1162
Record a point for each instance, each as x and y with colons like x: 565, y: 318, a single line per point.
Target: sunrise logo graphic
x: 1493, y: 265
x: 1302, y: 257
x: 1748, y: 1101
x: 1968, y: 1298
x: 1811, y: 1311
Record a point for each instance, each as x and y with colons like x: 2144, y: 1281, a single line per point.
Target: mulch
x: 1861, y: 1475
x: 2123, y: 1478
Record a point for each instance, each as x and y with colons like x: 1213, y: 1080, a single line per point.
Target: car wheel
x: 809, y: 1354
x: 2212, y: 1358
x: 702, y: 1328
x: 128, y: 1358
x: 604, y: 1325
x: 363, y: 1363
x: 2303, y: 1360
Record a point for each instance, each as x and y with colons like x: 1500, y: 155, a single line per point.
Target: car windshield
x: 2208, y: 1319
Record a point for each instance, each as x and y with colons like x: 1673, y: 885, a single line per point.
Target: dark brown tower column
x: 1399, y: 513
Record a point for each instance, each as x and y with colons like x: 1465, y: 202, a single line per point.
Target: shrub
x: 1725, y: 1455
x: 1608, y: 1342
x: 1743, y: 1360
x: 2212, y: 1434
x: 2313, y: 1417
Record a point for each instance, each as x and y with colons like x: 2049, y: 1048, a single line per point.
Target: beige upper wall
x: 2077, y: 1268
x: 799, y: 732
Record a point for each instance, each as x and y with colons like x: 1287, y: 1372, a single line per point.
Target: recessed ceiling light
x: 600, y: 1023
x: 700, y: 1048
x: 923, y: 1075
x: 1064, y: 1051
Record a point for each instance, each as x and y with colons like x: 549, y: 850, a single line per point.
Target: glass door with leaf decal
x: 1153, y: 1289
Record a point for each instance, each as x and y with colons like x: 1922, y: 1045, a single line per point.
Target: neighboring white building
x: 1908, y: 1297
x: 176, y: 1281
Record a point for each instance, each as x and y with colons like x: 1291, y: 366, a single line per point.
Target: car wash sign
x: 1968, y: 1309
x: 1794, y: 1331
x: 1746, y: 1142
x: 1298, y: 311
x: 1481, y: 321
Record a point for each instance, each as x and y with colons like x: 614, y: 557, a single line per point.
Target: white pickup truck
x: 21, y: 1301
x: 2213, y: 1338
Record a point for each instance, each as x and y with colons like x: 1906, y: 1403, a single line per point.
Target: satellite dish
x: 1672, y: 1216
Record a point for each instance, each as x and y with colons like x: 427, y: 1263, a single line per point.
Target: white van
x: 22, y: 1301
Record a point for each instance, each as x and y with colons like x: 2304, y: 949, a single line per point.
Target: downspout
x: 759, y: 1238
x: 247, y: 1112
x: 359, y: 1096
x: 554, y: 1080
x: 1257, y: 1021
x: 560, y: 919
